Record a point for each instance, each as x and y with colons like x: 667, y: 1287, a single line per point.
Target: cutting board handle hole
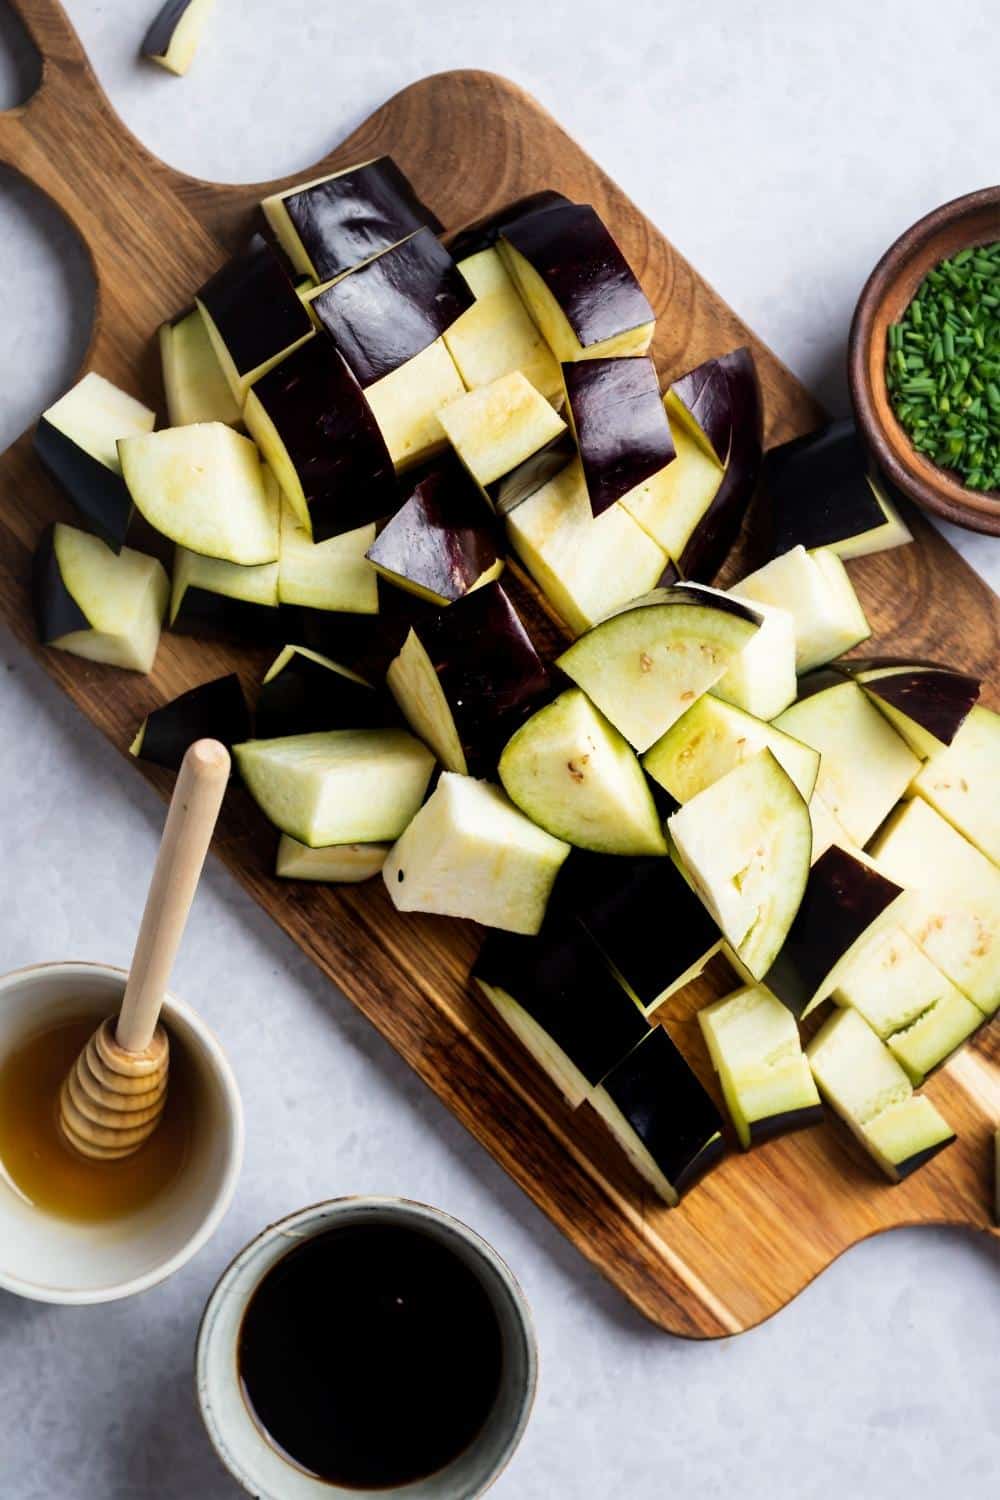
x: 20, y: 64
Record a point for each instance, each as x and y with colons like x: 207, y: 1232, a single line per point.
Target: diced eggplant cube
x: 762, y: 679
x: 332, y: 575
x: 407, y: 405
x: 824, y: 491
x: 702, y: 402
x: 509, y: 439
x: 205, y: 488
x: 483, y: 233
x: 469, y: 853
x: 559, y: 997
x: 215, y: 710
x: 645, y: 665
x: 344, y: 786
x: 95, y: 603
x: 77, y: 441
x: 586, y: 567
x: 321, y: 439
x: 331, y: 225
x: 754, y: 1045
x: 815, y: 589
x: 497, y: 335
x: 925, y: 703
x: 394, y: 306
x: 576, y: 283
x: 860, y: 1078
x: 620, y: 425
x: 304, y: 692
x: 467, y: 677
x: 194, y: 381
x: 442, y: 543
x: 746, y: 842
x: 574, y: 775
x: 671, y: 504
x: 641, y: 913
x: 713, y: 737
x: 865, y: 766
x: 253, y: 314
x: 961, y: 782
x: 847, y: 905
x: 661, y: 1117
x: 954, y: 910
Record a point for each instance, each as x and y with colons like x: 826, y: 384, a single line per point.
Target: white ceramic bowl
x: 266, y: 1473
x: 52, y: 1259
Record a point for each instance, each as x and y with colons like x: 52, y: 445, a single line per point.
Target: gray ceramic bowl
x: 265, y: 1472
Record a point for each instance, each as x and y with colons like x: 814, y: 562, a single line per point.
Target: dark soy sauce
x: 370, y: 1356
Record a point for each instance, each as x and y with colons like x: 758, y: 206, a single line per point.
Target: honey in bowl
x: 40, y: 1165
x: 370, y: 1356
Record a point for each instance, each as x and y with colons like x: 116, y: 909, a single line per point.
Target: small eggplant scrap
x: 717, y: 529
x: 253, y: 315
x: 467, y: 678
x: 577, y: 284
x: 661, y: 1116
x: 331, y: 225
x: 620, y: 425
x: 320, y: 437
x: 175, y: 35
x: 77, y: 441
x: 215, y: 710
x: 337, y: 864
x: 442, y: 543
x: 393, y: 307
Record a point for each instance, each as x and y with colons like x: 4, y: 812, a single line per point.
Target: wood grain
x: 759, y: 1227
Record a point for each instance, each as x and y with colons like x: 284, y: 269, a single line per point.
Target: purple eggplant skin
x: 161, y: 32
x: 705, y: 394
x: 483, y: 233
x: 56, y: 611
x: 843, y: 897
x: 442, y: 540
x: 203, y: 613
x: 575, y: 255
x: 521, y: 482
x: 939, y: 701
x: 669, y: 1110
x: 680, y: 593
x: 817, y: 489
x: 620, y: 423
x: 332, y: 438
x: 713, y: 537
x: 640, y: 912
x: 785, y: 1123
x: 215, y: 710
x: 903, y: 1169
x: 254, y: 305
x: 305, y: 697
x: 352, y: 217
x: 561, y: 980
x: 386, y: 312
x: 99, y: 494
x: 490, y: 673
x: 365, y: 643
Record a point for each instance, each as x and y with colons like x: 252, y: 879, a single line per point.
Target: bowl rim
x: 305, y: 1223
x: 952, y: 501
x: 236, y: 1138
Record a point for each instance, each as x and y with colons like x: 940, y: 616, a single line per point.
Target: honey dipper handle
x: 187, y: 834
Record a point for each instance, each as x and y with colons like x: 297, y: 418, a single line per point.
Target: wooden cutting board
x: 760, y: 1226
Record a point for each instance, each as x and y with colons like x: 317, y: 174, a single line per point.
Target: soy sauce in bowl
x: 370, y: 1356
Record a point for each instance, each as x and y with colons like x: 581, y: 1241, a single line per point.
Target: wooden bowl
x: 972, y: 220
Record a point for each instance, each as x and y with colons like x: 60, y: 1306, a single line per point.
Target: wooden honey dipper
x: 114, y: 1096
